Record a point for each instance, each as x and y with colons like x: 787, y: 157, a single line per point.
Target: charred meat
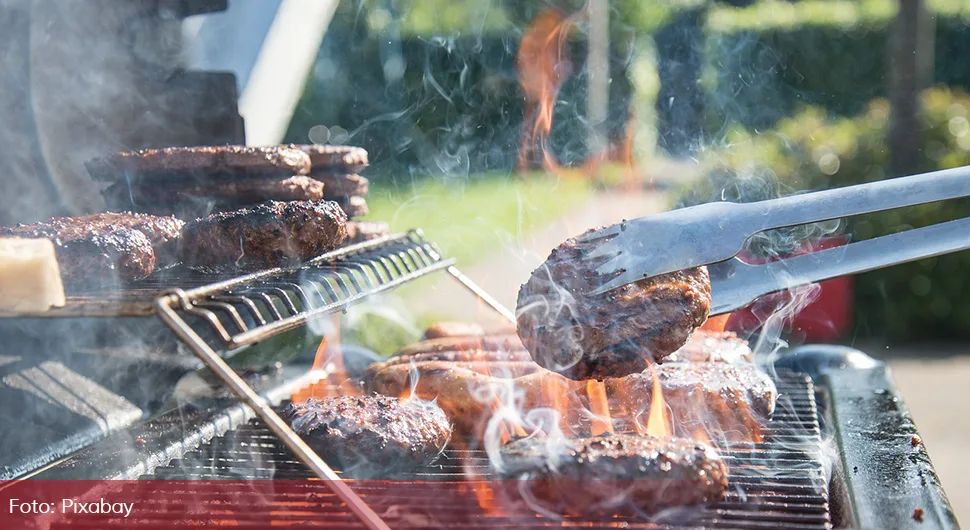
x: 731, y: 401
x: 229, y: 193
x: 104, y: 260
x: 336, y: 158
x: 272, y: 234
x: 341, y: 185
x: 202, y: 162
x: 584, y: 336
x: 100, y: 249
x: 353, y: 206
x: 714, y: 347
x: 611, y: 473
x: 487, y: 343
x: 371, y: 436
x: 454, y: 329
x: 360, y: 231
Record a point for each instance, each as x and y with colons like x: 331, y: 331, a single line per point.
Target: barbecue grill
x: 840, y: 451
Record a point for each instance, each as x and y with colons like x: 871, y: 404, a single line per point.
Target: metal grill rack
x: 793, y: 494
x: 242, y: 311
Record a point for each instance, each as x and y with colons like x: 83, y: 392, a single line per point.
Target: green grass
x: 470, y: 220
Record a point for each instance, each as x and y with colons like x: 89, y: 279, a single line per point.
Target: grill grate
x: 780, y: 482
x: 245, y: 310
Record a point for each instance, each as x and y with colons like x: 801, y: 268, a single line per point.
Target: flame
x: 657, y: 422
x: 701, y: 436
x: 542, y: 65
x: 716, y: 324
x: 508, y: 428
x: 600, y: 407
x: 330, y: 355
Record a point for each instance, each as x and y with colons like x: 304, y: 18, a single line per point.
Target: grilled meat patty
x: 371, y: 436
x: 610, y: 473
x: 227, y: 192
x: 272, y: 234
x: 102, y: 260
x: 488, y: 343
x: 360, y: 231
x: 735, y: 400
x: 454, y: 329
x: 713, y: 346
x: 582, y: 336
x: 202, y: 162
x: 341, y: 184
x: 339, y: 158
x: 99, y: 249
x: 354, y: 206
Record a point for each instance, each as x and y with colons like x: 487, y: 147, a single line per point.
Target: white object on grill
x: 30, y: 279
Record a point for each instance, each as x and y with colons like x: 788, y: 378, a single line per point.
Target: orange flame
x: 716, y: 324
x: 543, y: 66
x: 600, y: 407
x: 337, y: 382
x: 657, y: 422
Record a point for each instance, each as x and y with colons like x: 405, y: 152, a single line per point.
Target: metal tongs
x: 713, y: 234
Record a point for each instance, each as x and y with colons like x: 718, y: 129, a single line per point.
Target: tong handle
x: 864, y: 198
x: 736, y: 284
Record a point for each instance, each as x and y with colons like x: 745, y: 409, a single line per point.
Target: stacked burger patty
x: 192, y: 182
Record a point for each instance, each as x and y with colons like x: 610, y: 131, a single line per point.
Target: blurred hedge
x: 766, y: 60
x: 929, y: 299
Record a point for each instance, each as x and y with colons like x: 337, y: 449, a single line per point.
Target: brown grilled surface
x: 583, y: 336
x: 105, y: 249
x: 200, y: 161
x: 269, y: 235
x: 373, y: 435
x: 731, y: 401
x: 221, y: 194
x: 341, y: 184
x: 453, y: 329
x: 360, y: 231
x: 340, y: 157
x: 612, y: 474
x: 105, y: 260
x: 713, y: 346
x: 780, y: 483
x: 354, y: 206
x: 443, y: 344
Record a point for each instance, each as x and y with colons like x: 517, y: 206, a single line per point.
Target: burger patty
x: 202, y: 162
x: 584, y: 336
x: 99, y: 249
x: 104, y: 259
x: 454, y: 329
x: 371, y: 436
x: 334, y: 157
x: 355, y: 206
x: 729, y: 401
x: 341, y: 184
x: 360, y: 231
x: 735, y: 400
x: 272, y: 234
x: 227, y: 192
x: 610, y: 473
x: 713, y: 346
x: 488, y: 343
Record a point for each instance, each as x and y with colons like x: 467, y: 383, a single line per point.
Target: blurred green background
x: 768, y: 98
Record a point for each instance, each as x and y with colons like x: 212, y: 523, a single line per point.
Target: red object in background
x: 826, y: 319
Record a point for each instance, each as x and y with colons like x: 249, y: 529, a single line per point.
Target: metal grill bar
x: 778, y: 483
x: 252, y: 308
